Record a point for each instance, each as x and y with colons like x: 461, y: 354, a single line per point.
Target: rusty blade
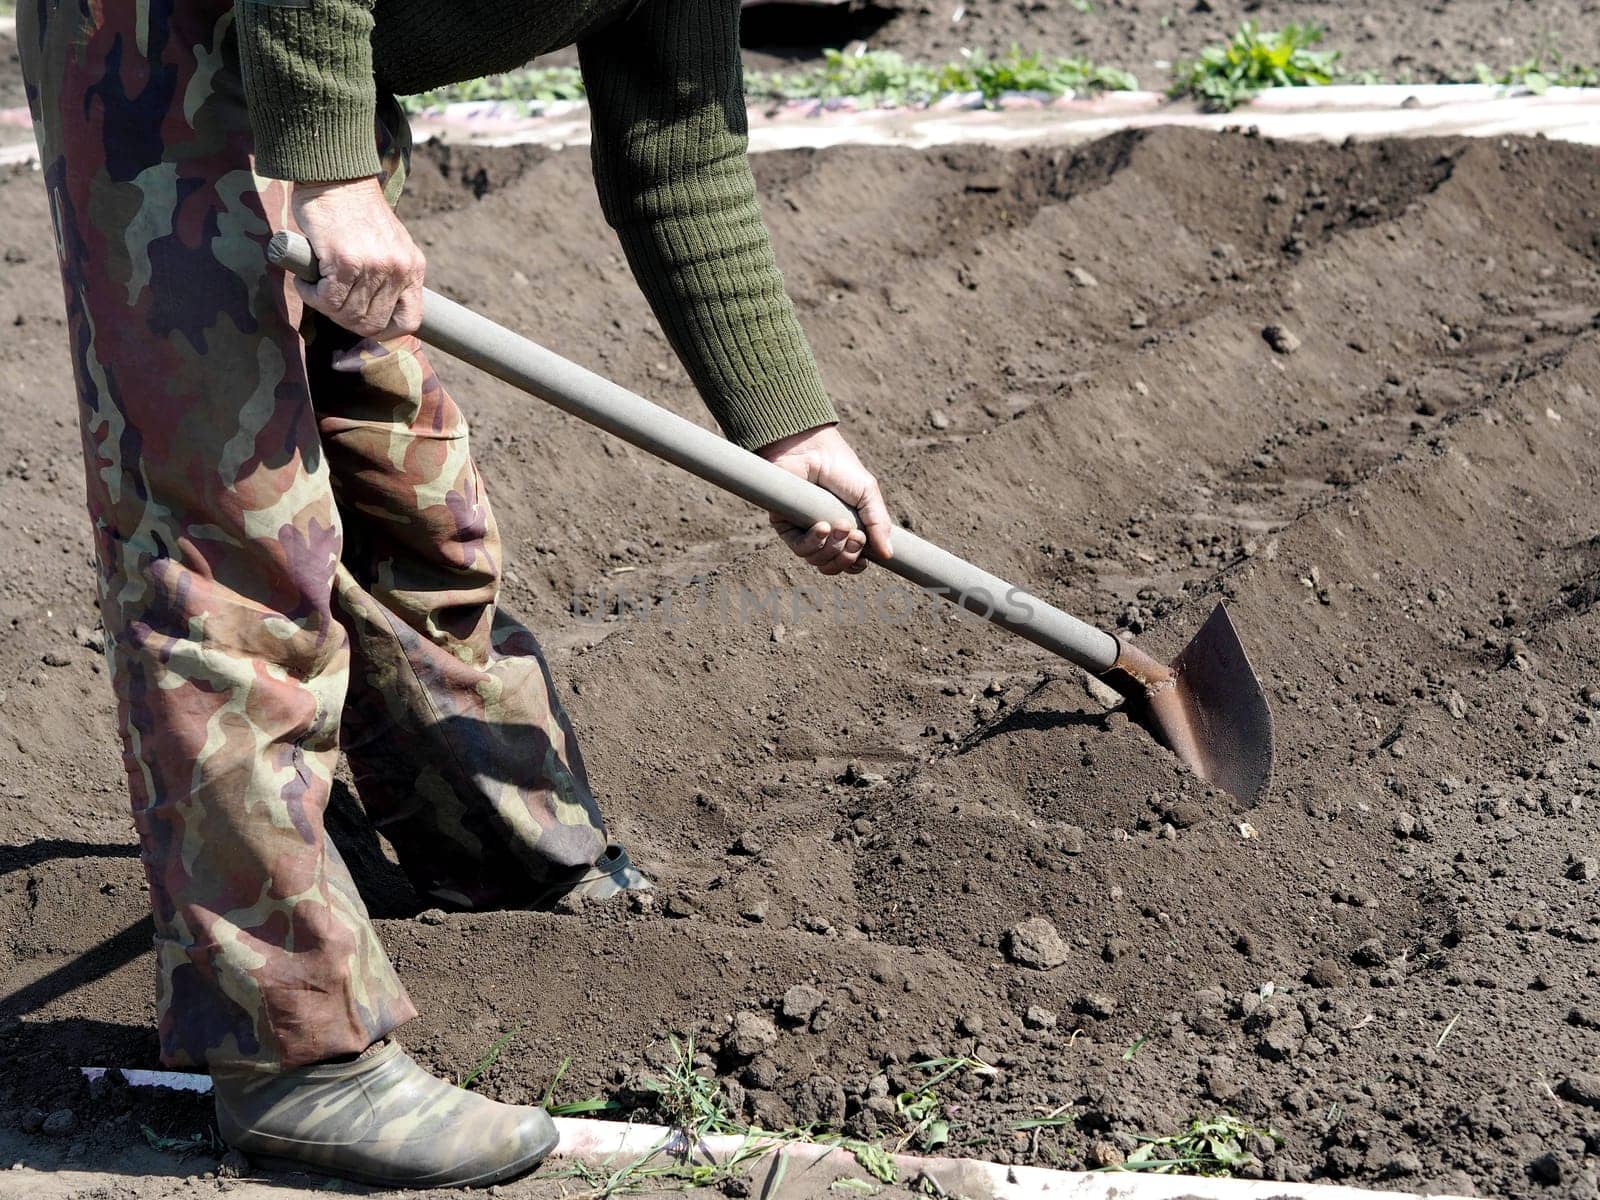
x: 1225, y: 710
x: 1207, y: 707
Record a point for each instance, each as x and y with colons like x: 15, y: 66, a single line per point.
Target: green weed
x: 884, y: 77
x: 1214, y: 1147
x: 1018, y: 72
x: 922, y: 1111
x: 1139, y: 1043
x: 1225, y: 76
x: 1055, y: 1120
x: 1545, y: 70
x: 694, y: 1105
x: 874, y: 1160
x: 855, y: 1185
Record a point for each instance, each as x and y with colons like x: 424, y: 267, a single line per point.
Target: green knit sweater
x: 667, y: 108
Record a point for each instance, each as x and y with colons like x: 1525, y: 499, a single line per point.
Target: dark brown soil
x: 1420, y: 42
x: 1407, y: 42
x: 1397, y: 972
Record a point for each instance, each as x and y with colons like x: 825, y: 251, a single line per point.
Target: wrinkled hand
x: 371, y: 269
x: 822, y: 456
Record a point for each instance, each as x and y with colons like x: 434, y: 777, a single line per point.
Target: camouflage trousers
x: 296, y: 556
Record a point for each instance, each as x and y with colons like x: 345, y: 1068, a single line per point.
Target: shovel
x: 1207, y: 707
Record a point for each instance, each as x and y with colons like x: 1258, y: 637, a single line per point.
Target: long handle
x: 527, y: 365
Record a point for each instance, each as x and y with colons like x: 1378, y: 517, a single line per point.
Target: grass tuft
x: 687, y: 1100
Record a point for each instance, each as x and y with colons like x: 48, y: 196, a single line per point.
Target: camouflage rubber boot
x: 380, y: 1119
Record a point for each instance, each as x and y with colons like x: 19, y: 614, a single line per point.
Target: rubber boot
x: 379, y: 1119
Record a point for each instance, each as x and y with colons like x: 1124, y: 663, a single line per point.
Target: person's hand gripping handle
x: 366, y: 273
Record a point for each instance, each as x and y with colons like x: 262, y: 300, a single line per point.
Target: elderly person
x: 296, y: 552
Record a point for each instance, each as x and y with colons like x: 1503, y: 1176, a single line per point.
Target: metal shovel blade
x: 1216, y: 717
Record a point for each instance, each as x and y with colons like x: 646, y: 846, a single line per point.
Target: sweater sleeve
x: 667, y: 104
x: 309, y: 88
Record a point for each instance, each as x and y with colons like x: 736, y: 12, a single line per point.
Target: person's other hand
x: 822, y: 456
x: 371, y: 269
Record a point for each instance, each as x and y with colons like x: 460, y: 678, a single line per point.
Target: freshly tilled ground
x: 884, y: 833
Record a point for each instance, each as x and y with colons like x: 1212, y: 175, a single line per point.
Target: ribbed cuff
x: 309, y: 87
x: 776, y: 409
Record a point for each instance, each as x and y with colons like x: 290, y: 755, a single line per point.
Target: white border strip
x: 1313, y: 113
x: 1302, y: 114
x: 606, y: 1141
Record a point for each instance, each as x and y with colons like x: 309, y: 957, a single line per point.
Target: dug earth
x: 887, y: 843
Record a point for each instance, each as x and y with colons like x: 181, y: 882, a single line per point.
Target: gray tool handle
x: 527, y: 365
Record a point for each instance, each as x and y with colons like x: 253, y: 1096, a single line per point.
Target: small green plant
x: 489, y: 1057
x: 878, y: 76
x: 1059, y: 1119
x: 874, y: 1160
x: 1018, y: 72
x: 694, y: 1106
x: 1539, y: 74
x: 922, y: 1111
x: 1207, y: 1147
x: 1139, y: 1043
x: 855, y: 1185
x: 1226, y: 76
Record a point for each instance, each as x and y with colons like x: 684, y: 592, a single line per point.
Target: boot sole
x: 520, y: 1167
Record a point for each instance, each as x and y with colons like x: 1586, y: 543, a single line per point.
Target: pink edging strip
x: 607, y: 1141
